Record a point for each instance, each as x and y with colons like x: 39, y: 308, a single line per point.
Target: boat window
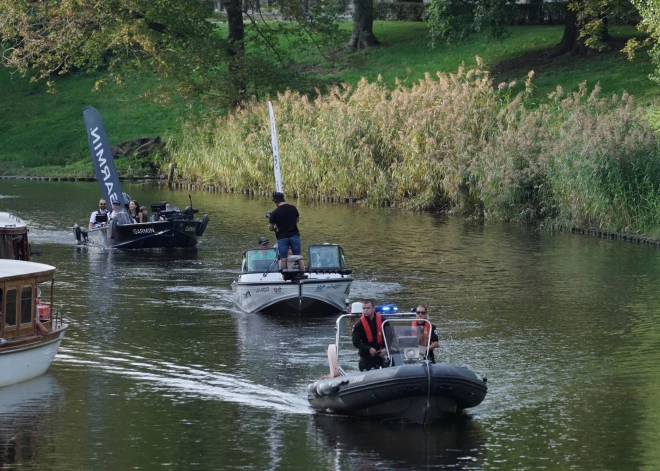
x: 11, y: 306
x: 6, y: 247
x: 26, y: 304
x: 260, y: 260
x: 324, y: 256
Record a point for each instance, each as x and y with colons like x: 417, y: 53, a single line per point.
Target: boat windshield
x: 259, y: 261
x: 407, y: 341
x: 404, y: 342
x: 326, y: 256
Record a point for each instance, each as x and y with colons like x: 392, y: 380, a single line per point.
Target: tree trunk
x: 363, y: 25
x: 571, y: 43
x: 236, y: 51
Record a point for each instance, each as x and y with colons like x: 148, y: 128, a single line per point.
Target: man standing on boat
x: 367, y: 337
x: 284, y: 222
x: 99, y: 218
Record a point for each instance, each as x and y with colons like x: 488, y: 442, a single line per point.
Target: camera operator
x: 284, y: 222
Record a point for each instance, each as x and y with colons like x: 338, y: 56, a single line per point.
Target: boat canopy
x: 259, y: 261
x: 326, y: 257
x: 10, y: 222
x: 17, y: 269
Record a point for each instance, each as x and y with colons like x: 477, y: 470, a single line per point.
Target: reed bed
x: 453, y: 141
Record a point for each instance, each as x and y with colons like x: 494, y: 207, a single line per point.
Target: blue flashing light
x: 387, y: 309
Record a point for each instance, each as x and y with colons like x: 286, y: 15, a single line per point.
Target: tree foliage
x: 173, y: 38
x: 452, y: 21
x: 650, y: 24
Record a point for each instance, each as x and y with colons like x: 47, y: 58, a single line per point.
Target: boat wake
x: 188, y: 381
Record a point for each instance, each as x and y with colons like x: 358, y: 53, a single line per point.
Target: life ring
x: 333, y: 361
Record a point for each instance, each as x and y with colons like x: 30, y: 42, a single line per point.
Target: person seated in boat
x: 266, y: 254
x: 422, y: 313
x: 99, y: 218
x: 367, y: 337
x: 145, y: 214
x: 116, y: 208
x: 134, y: 212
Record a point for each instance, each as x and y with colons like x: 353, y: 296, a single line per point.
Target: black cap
x: 278, y: 197
x: 116, y: 202
x: 263, y: 240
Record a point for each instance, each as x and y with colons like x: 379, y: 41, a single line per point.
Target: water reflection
x: 28, y: 420
x: 362, y: 444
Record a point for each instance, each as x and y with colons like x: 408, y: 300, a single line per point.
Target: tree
x: 363, y: 25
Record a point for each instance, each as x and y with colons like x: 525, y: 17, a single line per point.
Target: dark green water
x: 160, y: 371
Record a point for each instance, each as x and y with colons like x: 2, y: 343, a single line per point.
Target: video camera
x: 268, y: 215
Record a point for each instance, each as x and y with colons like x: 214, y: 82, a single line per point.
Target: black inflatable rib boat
x: 412, y: 389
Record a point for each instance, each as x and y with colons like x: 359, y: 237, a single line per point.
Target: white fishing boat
x: 322, y: 289
x: 31, y: 330
x: 13, y: 238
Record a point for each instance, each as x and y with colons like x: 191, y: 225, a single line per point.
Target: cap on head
x: 116, y: 203
x: 263, y: 240
x: 278, y: 197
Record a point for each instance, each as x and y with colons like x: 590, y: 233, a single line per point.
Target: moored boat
x: 410, y: 389
x: 14, y: 243
x: 31, y: 330
x: 322, y: 289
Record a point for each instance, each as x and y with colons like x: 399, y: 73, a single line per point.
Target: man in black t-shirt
x: 284, y: 222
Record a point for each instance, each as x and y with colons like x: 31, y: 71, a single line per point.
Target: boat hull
x: 420, y: 393
x: 271, y: 294
x: 28, y: 360
x: 148, y: 235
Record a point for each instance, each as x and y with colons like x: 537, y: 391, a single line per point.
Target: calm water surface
x: 159, y: 370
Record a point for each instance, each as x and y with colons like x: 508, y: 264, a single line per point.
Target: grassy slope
x: 43, y: 129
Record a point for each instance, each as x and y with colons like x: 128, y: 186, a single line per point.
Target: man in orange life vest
x: 368, y: 337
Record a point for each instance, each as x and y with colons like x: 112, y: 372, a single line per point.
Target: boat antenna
x: 190, y: 199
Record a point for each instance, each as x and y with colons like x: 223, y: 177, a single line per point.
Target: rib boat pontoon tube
x: 322, y: 289
x: 410, y: 389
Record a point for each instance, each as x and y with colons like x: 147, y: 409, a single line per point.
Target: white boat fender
x: 333, y: 361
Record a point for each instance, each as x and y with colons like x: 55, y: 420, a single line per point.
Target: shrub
x: 451, y: 141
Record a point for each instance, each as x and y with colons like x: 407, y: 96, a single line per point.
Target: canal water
x: 159, y: 370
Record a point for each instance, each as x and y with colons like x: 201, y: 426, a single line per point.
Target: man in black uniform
x: 367, y: 337
x: 284, y: 221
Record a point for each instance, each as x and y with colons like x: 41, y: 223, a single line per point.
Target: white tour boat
x: 31, y: 330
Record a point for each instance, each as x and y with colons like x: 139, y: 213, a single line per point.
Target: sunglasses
x: 421, y: 312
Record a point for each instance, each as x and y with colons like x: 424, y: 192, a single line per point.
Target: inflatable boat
x: 410, y: 388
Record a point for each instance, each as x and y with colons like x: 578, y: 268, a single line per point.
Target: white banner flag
x: 276, y: 152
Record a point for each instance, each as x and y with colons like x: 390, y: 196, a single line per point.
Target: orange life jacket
x: 379, y: 329
x: 425, y: 334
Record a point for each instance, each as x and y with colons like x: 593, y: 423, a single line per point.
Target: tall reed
x: 452, y: 141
